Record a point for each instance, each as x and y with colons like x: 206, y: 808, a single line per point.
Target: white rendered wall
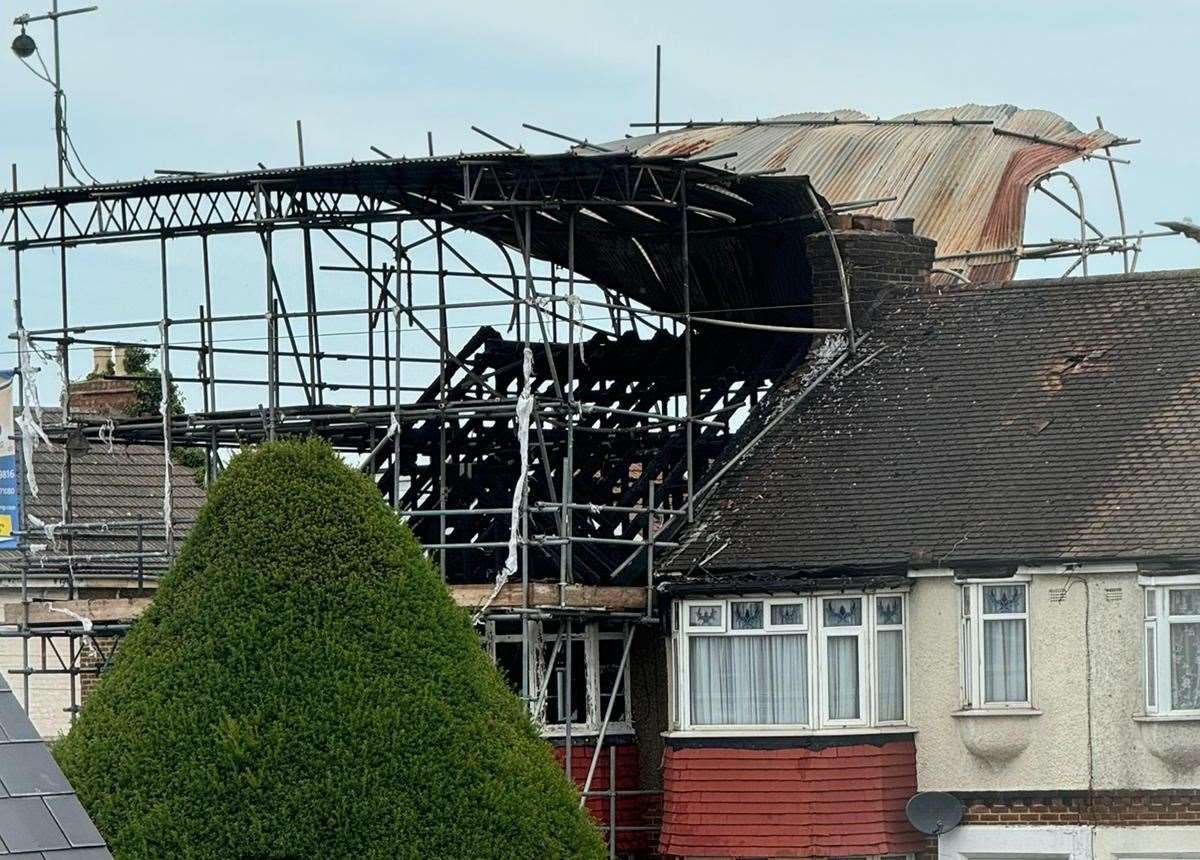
x: 1001, y: 842
x: 1048, y: 751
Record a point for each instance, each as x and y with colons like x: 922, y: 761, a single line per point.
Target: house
x: 119, y: 488
x: 964, y: 561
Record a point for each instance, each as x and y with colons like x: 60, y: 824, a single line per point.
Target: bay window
x: 1171, y: 648
x: 778, y: 663
x: 995, y: 644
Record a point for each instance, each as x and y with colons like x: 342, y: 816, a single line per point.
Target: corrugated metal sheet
x: 964, y: 185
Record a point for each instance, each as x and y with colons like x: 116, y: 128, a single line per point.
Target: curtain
x: 748, y: 680
x: 842, y: 652
x: 1004, y: 661
x: 890, y: 696
x: 1185, y: 666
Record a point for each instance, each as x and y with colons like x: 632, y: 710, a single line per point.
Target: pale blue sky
x: 219, y: 85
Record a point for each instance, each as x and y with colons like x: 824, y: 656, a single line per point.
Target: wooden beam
x: 112, y: 610
x: 125, y: 609
x: 618, y: 598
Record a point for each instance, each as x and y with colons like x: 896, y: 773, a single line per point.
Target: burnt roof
x: 40, y: 816
x: 1028, y: 421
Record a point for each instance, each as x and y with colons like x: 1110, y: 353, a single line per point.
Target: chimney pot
x: 101, y: 355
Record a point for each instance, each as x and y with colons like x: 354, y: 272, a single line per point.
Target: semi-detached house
x: 965, y: 560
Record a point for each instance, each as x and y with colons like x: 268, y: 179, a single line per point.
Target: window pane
x: 746, y: 615
x: 704, y: 616
x: 1185, y: 601
x: 1185, y: 666
x: 508, y: 661
x: 558, y: 702
x: 966, y: 607
x: 843, y: 677
x: 610, y: 660
x: 843, y: 611
x: 889, y: 698
x: 749, y: 680
x: 889, y: 610
x: 787, y: 613
x: 1004, y: 661
x: 1151, y: 602
x: 1003, y: 599
x: 1151, y: 669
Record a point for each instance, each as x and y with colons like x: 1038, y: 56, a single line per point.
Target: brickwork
x: 1167, y: 808
x: 1111, y: 808
x: 92, y: 661
x: 878, y: 256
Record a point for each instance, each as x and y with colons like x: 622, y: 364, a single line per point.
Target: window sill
x: 1166, y: 718
x: 997, y: 712
x: 790, y: 733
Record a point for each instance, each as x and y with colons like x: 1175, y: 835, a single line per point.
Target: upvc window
x: 774, y: 663
x: 1171, y: 648
x: 995, y: 644
x: 557, y: 696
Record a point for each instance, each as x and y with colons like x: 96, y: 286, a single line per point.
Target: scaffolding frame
x: 553, y: 455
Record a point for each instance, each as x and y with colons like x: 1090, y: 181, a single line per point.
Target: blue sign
x: 10, y: 499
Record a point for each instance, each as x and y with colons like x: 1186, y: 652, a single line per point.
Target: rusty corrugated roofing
x: 963, y: 174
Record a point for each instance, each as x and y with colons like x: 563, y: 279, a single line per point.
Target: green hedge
x: 303, y: 686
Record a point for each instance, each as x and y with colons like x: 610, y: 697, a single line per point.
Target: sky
x: 219, y: 85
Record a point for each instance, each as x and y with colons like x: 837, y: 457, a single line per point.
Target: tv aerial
x: 934, y: 812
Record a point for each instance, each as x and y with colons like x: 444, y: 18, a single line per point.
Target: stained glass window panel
x: 704, y: 616
x: 843, y: 612
x: 746, y: 614
x: 1003, y: 599
x: 787, y: 613
x: 889, y: 610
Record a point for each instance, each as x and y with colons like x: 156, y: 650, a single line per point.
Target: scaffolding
x: 535, y: 357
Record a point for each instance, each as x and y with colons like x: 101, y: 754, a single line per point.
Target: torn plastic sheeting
x: 30, y: 419
x: 524, y: 411
x: 85, y: 622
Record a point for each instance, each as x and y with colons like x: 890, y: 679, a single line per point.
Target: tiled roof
x: 126, y: 484
x: 40, y: 816
x: 834, y: 802
x: 1022, y: 421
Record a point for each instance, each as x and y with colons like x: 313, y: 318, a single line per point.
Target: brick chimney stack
x: 104, y: 392
x: 878, y: 255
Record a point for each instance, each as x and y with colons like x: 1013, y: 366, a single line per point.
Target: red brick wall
x: 635, y: 810
x: 1116, y: 808
x: 793, y: 802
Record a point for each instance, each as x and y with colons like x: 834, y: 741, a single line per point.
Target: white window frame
x: 835, y: 631
x: 972, y: 680
x: 587, y: 635
x: 1157, y: 630
x: 817, y: 633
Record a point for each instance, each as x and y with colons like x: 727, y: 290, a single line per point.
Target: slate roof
x: 40, y: 816
x: 124, y: 484
x: 1028, y: 421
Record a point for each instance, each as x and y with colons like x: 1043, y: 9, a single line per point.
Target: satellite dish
x: 934, y: 812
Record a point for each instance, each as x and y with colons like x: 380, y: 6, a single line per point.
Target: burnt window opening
x: 555, y: 699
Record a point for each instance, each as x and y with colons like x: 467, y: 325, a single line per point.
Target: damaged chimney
x: 879, y: 255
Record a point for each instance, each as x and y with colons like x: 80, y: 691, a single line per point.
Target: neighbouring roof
x: 121, y: 485
x: 962, y: 173
x: 1029, y: 421
x: 40, y: 816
